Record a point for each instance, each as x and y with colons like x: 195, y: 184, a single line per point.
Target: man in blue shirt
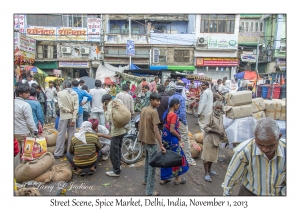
x: 37, y: 111
x: 81, y: 95
x: 183, y: 125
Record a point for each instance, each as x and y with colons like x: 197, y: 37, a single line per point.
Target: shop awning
x: 175, y: 68
x: 34, y: 69
x: 46, y: 64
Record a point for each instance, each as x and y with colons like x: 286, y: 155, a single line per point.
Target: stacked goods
x: 199, y: 137
x: 51, y: 137
x: 195, y: 149
x: 283, y: 109
x: 30, y: 170
x: 258, y: 108
x: 60, y: 172
x: 238, y: 104
x: 273, y: 109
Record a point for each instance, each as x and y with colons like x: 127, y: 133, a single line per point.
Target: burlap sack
x: 51, y: 139
x: 201, y: 146
x: 191, y: 136
x: 52, y: 149
x: 27, y: 171
x: 283, y: 109
x: 32, y: 191
x: 199, y: 137
x: 60, y: 172
x: 120, y: 115
x: 195, y: 149
x: 258, y: 104
x: 273, y: 109
x: 259, y: 115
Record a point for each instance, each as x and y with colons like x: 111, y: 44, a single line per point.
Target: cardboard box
x: 236, y: 112
x: 259, y: 115
x: 283, y: 109
x: 258, y: 104
x: 238, y: 98
x: 273, y: 109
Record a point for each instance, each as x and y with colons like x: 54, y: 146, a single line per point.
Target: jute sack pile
x: 52, y: 149
x: 51, y: 137
x: 191, y: 136
x: 258, y: 105
x: 28, y: 192
x: 195, y: 149
x: 199, y: 137
x: 27, y: 171
x: 60, y: 172
x: 120, y: 115
x: 259, y: 115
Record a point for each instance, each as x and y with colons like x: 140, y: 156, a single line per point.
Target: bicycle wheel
x: 130, y: 154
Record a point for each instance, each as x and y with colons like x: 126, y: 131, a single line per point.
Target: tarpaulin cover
x: 133, y: 67
x: 250, y: 75
x: 240, y: 130
x: 240, y: 75
x: 158, y: 67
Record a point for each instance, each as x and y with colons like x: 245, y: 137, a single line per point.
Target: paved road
x: 130, y: 181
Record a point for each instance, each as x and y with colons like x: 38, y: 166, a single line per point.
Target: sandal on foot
x: 155, y: 193
x: 162, y: 182
x: 183, y: 181
x: 92, y: 171
x: 80, y: 173
x: 213, y: 173
x: 207, y: 178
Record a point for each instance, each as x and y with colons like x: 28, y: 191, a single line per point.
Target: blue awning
x: 158, y: 67
x: 133, y: 67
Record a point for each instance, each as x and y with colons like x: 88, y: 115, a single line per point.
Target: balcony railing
x: 122, y: 39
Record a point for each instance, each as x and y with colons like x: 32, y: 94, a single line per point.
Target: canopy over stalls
x: 106, y: 73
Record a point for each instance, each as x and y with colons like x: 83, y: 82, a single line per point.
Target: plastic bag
x: 34, y: 148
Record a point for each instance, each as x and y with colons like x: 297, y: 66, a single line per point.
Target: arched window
x: 135, y: 30
x: 125, y: 29
x: 115, y: 29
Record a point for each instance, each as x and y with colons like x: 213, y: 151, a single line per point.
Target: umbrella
x: 37, y: 70
x: 88, y: 81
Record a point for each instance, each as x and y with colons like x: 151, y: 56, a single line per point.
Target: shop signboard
x: 249, y: 37
x: 222, y: 42
x: 74, y: 64
x: 217, y: 62
x: 281, y: 63
x: 16, y: 40
x: 27, y: 44
x: 19, y: 23
x: 41, y: 33
x: 93, y: 29
x: 130, y: 48
x: 71, y: 34
x: 248, y: 58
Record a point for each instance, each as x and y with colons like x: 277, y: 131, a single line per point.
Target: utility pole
x: 129, y: 27
x: 102, y: 40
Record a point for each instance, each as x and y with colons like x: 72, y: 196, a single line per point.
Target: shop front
x: 47, y: 66
x: 217, y: 68
x: 74, y: 69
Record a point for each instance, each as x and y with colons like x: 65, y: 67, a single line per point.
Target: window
x: 181, y: 55
x: 217, y: 24
x: 125, y: 29
x: 47, y: 51
x: 75, y: 21
x: 243, y: 26
x: 261, y: 26
x: 135, y: 30
x: 115, y: 29
x: 44, y: 20
x: 256, y: 26
x: 247, y: 26
x: 251, y: 26
x: 159, y: 56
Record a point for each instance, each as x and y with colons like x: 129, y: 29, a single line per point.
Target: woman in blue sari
x: 170, y: 140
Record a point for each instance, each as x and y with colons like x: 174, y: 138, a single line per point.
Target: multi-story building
x: 251, y: 31
x: 216, y: 47
x: 67, y: 42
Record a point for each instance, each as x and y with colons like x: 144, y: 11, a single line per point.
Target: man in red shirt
x: 144, y: 83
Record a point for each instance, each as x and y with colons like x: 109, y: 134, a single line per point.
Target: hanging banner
x: 217, y: 61
x: 248, y: 58
x: 21, y: 23
x: 27, y: 44
x: 41, y: 33
x: 93, y: 29
x: 71, y: 34
x: 16, y: 22
x: 130, y: 48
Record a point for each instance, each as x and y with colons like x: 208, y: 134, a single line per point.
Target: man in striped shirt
x: 259, y: 163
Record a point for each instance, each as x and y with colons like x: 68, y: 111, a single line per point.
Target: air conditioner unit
x: 66, y: 50
x: 282, y: 48
x: 85, y: 50
x: 201, y: 41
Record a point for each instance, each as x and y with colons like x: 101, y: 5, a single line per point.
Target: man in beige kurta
x: 214, y: 136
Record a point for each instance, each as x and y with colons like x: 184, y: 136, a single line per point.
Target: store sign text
x: 217, y: 62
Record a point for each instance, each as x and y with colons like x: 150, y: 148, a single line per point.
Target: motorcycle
x: 132, y: 149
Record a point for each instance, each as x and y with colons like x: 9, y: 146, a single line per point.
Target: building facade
x: 216, y: 45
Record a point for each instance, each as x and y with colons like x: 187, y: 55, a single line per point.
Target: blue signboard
x: 130, y: 48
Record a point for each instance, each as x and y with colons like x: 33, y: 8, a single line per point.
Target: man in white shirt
x: 30, y: 80
x: 205, y: 104
x: 51, y: 94
x: 97, y: 111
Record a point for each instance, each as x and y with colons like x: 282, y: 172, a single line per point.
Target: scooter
x: 132, y: 149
